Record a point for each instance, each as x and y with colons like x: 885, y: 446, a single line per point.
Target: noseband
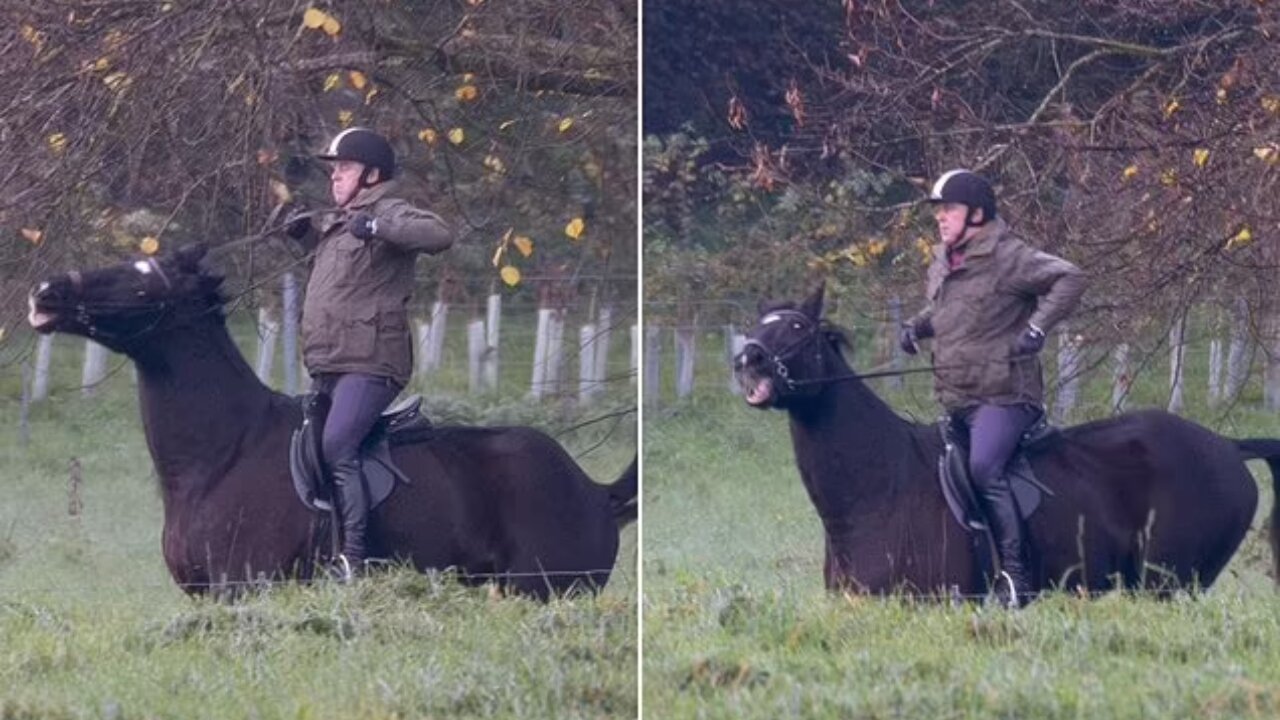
x: 779, y: 358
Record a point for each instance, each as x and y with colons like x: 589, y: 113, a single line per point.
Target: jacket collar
x: 982, y: 242
x: 370, y: 195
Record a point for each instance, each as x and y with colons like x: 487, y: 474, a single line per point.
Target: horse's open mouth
x: 760, y: 393
x: 41, y: 321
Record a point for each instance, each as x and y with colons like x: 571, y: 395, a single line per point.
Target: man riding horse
x: 991, y: 299
x: 355, y: 329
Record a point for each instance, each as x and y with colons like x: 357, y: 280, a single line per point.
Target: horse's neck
x: 852, y: 449
x: 199, y: 399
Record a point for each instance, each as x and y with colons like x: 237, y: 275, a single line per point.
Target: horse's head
x: 121, y: 305
x: 787, y: 355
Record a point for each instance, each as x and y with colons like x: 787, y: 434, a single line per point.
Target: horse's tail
x: 1269, y: 450
x: 624, y: 492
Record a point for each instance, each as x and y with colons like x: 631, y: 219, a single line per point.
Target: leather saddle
x: 403, y: 422
x: 957, y: 485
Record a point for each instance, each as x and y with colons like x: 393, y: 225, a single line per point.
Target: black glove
x: 297, y: 223
x: 1030, y: 342
x: 907, y: 339
x: 363, y: 226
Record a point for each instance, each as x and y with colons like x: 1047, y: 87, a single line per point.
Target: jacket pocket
x: 395, y: 345
x: 357, y: 335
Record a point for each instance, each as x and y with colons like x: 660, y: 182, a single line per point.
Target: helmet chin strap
x: 968, y: 218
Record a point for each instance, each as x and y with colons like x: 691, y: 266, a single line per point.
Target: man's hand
x: 1030, y: 342
x: 297, y: 223
x: 364, y: 226
x: 907, y: 339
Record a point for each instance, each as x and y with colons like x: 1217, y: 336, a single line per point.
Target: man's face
x: 344, y: 180
x: 951, y: 219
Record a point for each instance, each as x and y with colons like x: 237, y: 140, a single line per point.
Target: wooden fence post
x: 1068, y: 375
x: 1121, y: 377
x: 604, y: 338
x: 95, y: 368
x: 268, y: 334
x: 541, y: 348
x: 1177, y: 355
x: 1215, y: 371
x: 686, y: 354
x: 587, y: 382
x: 475, y: 356
x: 289, y: 315
x: 435, y: 337
x: 40, y: 383
x: 652, y: 365
x: 492, y: 327
x: 635, y: 353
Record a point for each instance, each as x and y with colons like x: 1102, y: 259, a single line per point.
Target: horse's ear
x: 812, y: 305
x: 189, y: 256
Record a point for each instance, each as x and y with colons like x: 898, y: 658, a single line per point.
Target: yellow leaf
x: 1271, y: 104
x: 468, y: 77
x: 344, y: 118
x: 1241, y: 238
x: 281, y: 191
x: 331, y: 26
x: 1169, y: 177
x: 565, y: 124
x: 57, y: 142
x: 149, y: 245
x: 1172, y: 107
x: 1130, y: 172
x: 456, y: 136
x: 1200, y: 157
x: 34, y: 36
x: 117, y: 81
x: 466, y: 93
x: 523, y: 244
x: 1221, y: 96
x: 428, y: 136
x: 333, y: 81
x: 358, y: 79
x: 33, y: 235
x: 494, y: 163
x: 1269, y: 154
x: 510, y: 275
x: 313, y: 18
x: 101, y: 64
x: 575, y: 227
x: 506, y: 124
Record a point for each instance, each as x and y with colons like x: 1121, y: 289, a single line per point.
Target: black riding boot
x: 1013, y: 586
x: 353, y: 506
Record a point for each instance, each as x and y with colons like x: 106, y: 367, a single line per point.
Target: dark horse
x: 1141, y: 500
x: 507, y: 504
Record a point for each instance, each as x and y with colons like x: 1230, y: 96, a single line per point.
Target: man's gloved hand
x: 1030, y: 342
x: 363, y: 225
x: 297, y: 223
x: 907, y: 339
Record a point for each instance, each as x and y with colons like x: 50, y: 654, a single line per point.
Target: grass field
x: 737, y: 624
x: 93, y: 627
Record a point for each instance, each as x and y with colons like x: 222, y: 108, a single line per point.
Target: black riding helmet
x: 966, y: 188
x: 365, y: 146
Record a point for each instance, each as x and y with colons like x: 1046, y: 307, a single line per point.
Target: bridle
x: 82, y: 308
x: 788, y: 352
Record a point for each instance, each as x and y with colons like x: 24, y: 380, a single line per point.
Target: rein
x: 781, y: 370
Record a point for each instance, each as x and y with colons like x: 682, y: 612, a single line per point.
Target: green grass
x: 738, y: 625
x: 93, y: 626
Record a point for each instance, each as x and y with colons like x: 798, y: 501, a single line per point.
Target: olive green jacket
x: 979, y: 309
x: 355, y: 316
